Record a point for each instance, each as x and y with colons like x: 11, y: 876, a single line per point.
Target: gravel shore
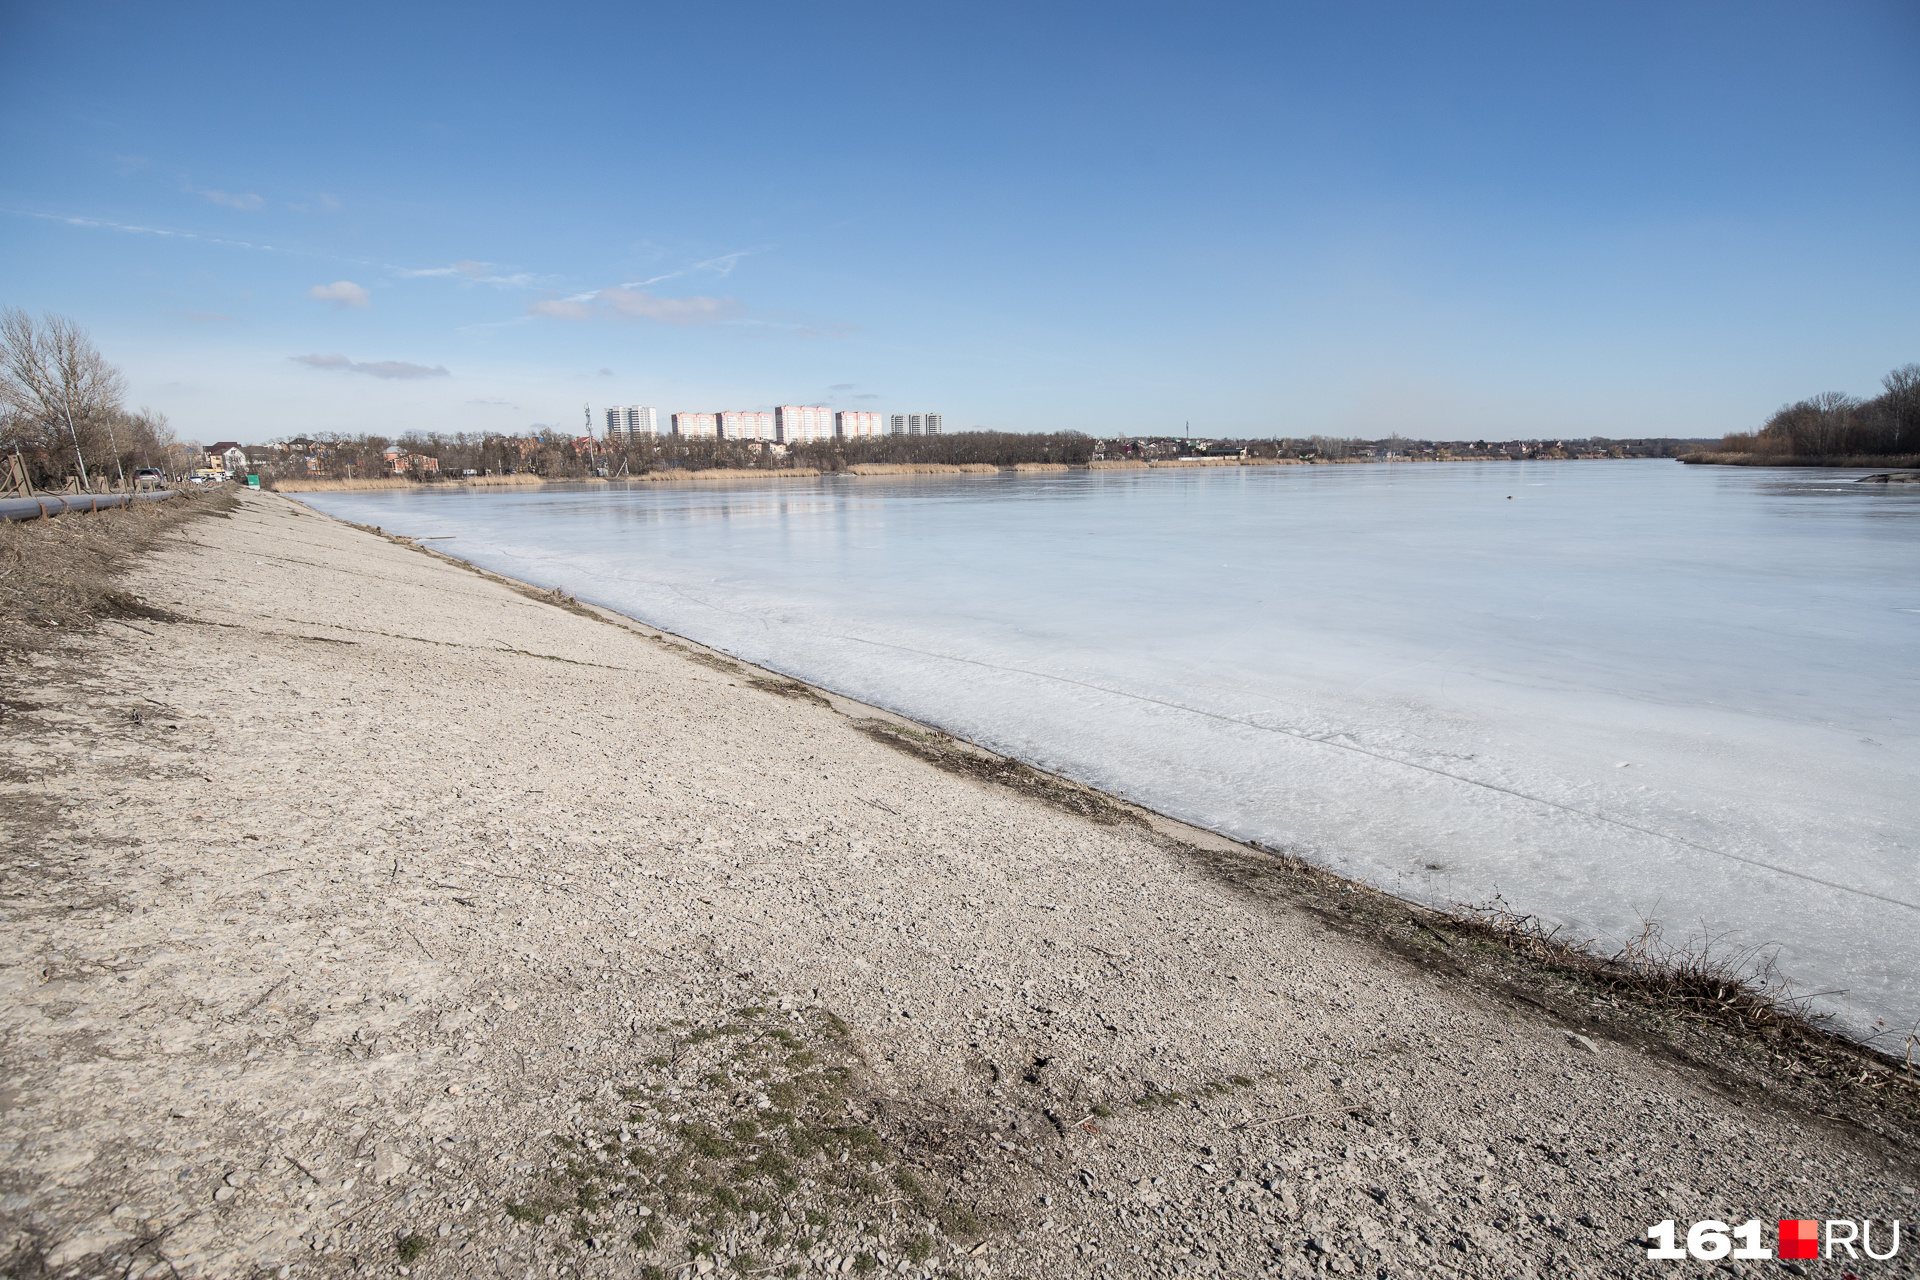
x: 377, y: 913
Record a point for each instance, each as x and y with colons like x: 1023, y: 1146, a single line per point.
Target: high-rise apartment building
x: 916, y: 424
x: 694, y: 426
x: 847, y: 425
x: 797, y: 424
x: 624, y: 422
x: 744, y: 424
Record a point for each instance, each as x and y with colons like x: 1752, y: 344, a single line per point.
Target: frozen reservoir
x: 1610, y: 692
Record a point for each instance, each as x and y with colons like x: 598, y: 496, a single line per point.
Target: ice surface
x: 1611, y: 692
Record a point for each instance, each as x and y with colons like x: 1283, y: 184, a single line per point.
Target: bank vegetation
x: 1834, y: 429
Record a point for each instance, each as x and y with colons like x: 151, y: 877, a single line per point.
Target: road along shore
x: 364, y: 910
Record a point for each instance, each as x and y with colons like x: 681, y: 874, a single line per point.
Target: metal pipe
x: 54, y: 505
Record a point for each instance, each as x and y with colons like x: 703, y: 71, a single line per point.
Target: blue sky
x: 1446, y: 220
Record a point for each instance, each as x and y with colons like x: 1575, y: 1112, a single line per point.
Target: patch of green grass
x: 1102, y: 1110
x: 648, y: 1235
x: 745, y: 1262
x: 1243, y: 1082
x: 768, y: 1164
x: 705, y: 1141
x: 581, y: 1231
x: 960, y: 1223
x: 535, y: 1210
x: 751, y: 1011
x: 412, y: 1248
x: 919, y: 1249
x: 865, y: 1263
x: 653, y: 1273
x: 744, y: 1129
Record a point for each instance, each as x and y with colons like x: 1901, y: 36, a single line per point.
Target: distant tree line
x: 1834, y: 424
x: 998, y: 448
x: 62, y: 409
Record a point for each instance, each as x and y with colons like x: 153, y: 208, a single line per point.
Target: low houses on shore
x: 400, y: 462
x: 227, y: 455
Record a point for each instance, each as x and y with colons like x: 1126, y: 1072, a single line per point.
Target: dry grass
x: 59, y: 576
x: 952, y: 755
x: 1718, y: 458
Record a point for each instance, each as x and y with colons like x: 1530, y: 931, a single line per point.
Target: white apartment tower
x: 694, y: 425
x: 744, y: 424
x: 916, y: 424
x: 797, y: 424
x: 852, y: 424
x: 626, y: 422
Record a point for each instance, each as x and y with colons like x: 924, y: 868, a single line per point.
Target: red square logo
x: 1799, y: 1238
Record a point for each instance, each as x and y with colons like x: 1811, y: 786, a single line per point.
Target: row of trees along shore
x: 557, y: 456
x: 1835, y: 427
x: 63, y: 411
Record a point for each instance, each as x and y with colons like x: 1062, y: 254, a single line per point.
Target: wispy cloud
x: 503, y: 404
x: 322, y: 202
x: 374, y: 369
x: 248, y: 202
x: 477, y: 272
x: 626, y: 302
x: 721, y: 266
x: 841, y: 386
x: 867, y: 395
x: 341, y: 293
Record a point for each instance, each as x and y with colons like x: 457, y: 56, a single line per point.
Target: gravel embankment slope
x: 378, y: 912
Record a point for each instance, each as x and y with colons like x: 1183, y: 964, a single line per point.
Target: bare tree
x: 1902, y: 401
x: 52, y: 376
x: 150, y: 435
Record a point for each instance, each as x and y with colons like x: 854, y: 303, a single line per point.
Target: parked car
x: 148, y: 478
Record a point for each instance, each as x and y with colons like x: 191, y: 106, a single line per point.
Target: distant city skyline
x: 1496, y: 220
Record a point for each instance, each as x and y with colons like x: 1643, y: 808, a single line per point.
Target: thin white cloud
x: 468, y: 269
x: 341, y: 293
x: 624, y: 302
x: 841, y: 386
x: 248, y: 202
x: 374, y: 369
x: 720, y: 266
x: 562, y: 308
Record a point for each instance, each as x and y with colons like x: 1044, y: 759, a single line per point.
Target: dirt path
x: 378, y: 913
